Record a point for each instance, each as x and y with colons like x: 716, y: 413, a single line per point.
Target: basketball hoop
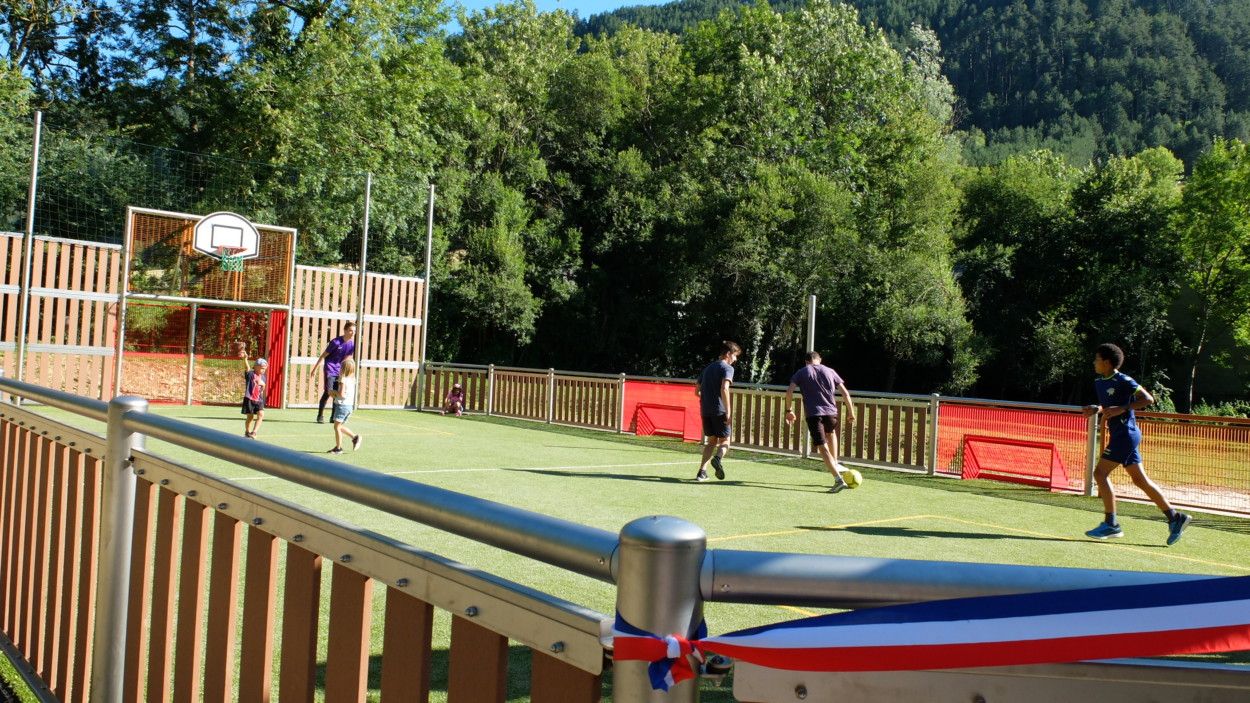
x: 231, y: 259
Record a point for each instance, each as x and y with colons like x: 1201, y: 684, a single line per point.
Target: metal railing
x: 136, y: 552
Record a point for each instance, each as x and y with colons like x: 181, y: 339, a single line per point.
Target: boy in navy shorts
x: 1118, y: 396
x: 714, y: 407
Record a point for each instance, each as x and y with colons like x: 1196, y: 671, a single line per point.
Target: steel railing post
x: 551, y: 394
x: 490, y: 389
x: 117, y: 513
x: 620, y: 408
x: 932, y: 449
x: 657, y: 573
x: 1091, y: 452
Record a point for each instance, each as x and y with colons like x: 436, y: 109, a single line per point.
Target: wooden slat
x: 478, y: 667
x: 164, y: 594
x: 38, y: 556
x: 13, y: 475
x: 555, y: 681
x: 223, y: 602
x: 68, y: 573
x: 189, y: 645
x: 25, y: 516
x: 259, y: 607
x: 140, y: 592
x: 87, y: 565
x: 297, y: 677
x: 406, y: 648
x: 347, y: 656
x: 55, y: 584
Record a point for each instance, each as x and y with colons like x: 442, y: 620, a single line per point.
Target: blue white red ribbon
x: 1185, y: 617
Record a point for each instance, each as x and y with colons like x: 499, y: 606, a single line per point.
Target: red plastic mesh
x: 662, y: 403
x: 1065, y: 430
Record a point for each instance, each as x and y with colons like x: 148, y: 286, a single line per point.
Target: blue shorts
x: 341, y: 413
x: 715, y: 426
x: 1122, y: 448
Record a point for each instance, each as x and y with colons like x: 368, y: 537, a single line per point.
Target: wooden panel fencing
x: 888, y: 433
x: 759, y: 421
x: 49, y: 502
x: 520, y: 394
x: 587, y: 401
x: 204, y: 616
x: 388, y: 339
x: 439, y: 379
x: 71, y: 331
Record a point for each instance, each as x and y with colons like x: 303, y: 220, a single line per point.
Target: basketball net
x: 231, y: 259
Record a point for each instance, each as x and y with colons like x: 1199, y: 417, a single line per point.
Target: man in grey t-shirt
x: 819, y: 385
x: 714, y: 407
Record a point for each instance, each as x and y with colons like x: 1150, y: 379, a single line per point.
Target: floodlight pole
x: 811, y: 323
x: 364, y: 255
x: 28, y: 246
x: 425, y: 295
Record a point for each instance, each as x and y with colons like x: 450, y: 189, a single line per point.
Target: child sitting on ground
x: 454, y: 403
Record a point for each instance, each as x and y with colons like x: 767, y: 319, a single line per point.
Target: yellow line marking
x: 800, y: 611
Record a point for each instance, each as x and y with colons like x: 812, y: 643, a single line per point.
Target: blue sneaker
x: 1176, y: 527
x: 1105, y: 531
x: 720, y: 469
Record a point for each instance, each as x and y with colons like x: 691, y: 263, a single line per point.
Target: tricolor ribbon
x: 1184, y: 617
x: 669, y: 655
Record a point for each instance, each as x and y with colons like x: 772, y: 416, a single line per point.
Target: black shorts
x: 715, y: 426
x: 821, y: 425
x: 252, y: 407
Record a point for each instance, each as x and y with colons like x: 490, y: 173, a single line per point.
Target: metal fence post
x: 490, y: 389
x: 657, y: 590
x: 551, y: 394
x: 117, y: 514
x: 1091, y: 452
x: 932, y: 449
x: 620, y: 408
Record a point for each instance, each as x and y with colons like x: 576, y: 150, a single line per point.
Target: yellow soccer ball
x: 852, y: 477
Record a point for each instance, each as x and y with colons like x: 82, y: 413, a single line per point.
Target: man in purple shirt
x: 819, y: 385
x: 338, y: 350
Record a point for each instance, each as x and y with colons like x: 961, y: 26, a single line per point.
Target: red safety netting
x: 1033, y: 432
x: 1014, y: 460
x: 656, y: 407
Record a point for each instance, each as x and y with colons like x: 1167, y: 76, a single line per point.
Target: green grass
x: 766, y: 503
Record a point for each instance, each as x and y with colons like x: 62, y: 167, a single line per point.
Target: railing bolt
x: 345, y: 558
x: 471, y: 611
x: 140, y: 472
x: 257, y: 521
x: 191, y: 494
x: 72, y: 443
x: 297, y: 538
x: 800, y: 692
x: 402, y: 583
x: 557, y: 647
x: 222, y: 506
x: 164, y: 482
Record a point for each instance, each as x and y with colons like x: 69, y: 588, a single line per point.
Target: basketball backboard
x: 226, y: 231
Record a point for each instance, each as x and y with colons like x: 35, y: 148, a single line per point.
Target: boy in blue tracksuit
x: 1118, y: 396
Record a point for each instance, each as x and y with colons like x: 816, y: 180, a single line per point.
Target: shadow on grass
x: 669, y: 479
x: 881, y: 531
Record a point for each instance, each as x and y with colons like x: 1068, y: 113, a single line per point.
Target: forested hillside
x: 1086, y: 78
x: 624, y: 202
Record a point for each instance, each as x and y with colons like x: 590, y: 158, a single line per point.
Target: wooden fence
x: 1202, y: 462
x: 71, y: 325
x: 210, y: 557
x: 388, y: 339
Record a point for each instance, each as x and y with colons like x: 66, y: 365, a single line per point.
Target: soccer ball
x: 852, y: 477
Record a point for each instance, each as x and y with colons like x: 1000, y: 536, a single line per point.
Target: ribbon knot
x: 669, y: 656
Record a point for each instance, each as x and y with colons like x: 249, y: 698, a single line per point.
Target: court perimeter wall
x: 1200, y: 462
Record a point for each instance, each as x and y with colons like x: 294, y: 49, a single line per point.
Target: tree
x: 1213, y: 221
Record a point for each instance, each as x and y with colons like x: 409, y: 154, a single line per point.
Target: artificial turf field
x: 766, y: 503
